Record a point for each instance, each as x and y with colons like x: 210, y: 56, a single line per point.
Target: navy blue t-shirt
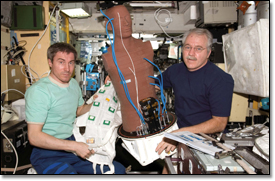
x: 200, y: 94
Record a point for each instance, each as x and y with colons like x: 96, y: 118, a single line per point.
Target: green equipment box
x: 27, y: 17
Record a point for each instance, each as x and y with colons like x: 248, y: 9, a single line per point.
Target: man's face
x: 195, y: 60
x: 62, y: 66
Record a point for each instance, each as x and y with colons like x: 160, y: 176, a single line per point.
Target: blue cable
x: 161, y: 86
x: 119, y: 72
x: 163, y: 99
x: 158, y: 108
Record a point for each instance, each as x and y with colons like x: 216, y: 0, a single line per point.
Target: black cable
x: 3, y: 99
x: 26, y: 70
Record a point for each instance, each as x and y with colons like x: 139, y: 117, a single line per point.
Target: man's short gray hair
x: 200, y: 31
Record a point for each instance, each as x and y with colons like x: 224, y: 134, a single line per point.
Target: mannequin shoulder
x: 144, y: 45
x: 108, y: 54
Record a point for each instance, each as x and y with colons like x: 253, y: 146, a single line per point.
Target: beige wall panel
x: 38, y: 60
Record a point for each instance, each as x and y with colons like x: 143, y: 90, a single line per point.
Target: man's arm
x: 85, y: 107
x: 43, y: 140
x: 214, y: 125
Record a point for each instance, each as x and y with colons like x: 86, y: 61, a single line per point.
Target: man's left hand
x: 167, y: 145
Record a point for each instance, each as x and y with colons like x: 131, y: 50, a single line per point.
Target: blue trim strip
x: 58, y: 171
x: 51, y: 167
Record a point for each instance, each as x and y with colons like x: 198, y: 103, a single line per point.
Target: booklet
x: 195, y: 141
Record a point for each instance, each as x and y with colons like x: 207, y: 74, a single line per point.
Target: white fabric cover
x: 246, y: 57
x: 101, y: 124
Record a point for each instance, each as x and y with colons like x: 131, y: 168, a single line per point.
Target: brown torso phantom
x: 143, y: 69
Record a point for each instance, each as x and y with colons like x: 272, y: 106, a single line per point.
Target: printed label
x: 111, y: 109
x: 108, y: 84
x: 96, y: 104
x: 106, y: 122
x: 101, y: 91
x: 92, y: 118
x: 114, y: 98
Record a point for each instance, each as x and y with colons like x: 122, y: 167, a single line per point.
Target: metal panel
x: 27, y: 18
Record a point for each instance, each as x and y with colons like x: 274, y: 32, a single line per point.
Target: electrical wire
x: 133, y: 71
x: 13, y: 90
x: 15, y: 152
x: 161, y: 85
x: 161, y: 23
x: 40, y: 39
x: 30, y: 74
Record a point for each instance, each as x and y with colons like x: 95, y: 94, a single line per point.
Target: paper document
x: 195, y: 141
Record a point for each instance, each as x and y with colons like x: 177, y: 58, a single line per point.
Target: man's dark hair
x: 60, y: 47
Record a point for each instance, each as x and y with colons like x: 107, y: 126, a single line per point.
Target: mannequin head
x: 121, y: 18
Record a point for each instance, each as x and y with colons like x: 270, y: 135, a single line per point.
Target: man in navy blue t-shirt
x: 203, y: 92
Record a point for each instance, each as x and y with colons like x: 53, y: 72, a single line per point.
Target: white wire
x: 133, y: 71
x: 13, y: 90
x: 161, y: 23
x: 156, y: 14
x: 48, y: 72
x: 136, y: 88
x: 15, y: 152
x: 29, y: 71
x: 40, y: 39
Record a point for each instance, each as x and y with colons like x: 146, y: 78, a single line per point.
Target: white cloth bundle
x: 101, y: 124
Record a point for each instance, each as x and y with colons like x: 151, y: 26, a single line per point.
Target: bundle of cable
x: 101, y: 124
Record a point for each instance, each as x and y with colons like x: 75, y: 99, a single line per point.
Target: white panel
x: 190, y: 16
x: 142, y: 23
x: 88, y: 25
x: 145, y: 23
x: 220, y: 12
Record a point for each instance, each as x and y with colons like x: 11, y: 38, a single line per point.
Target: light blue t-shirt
x: 53, y: 105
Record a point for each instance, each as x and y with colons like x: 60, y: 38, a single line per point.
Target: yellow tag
x: 107, y: 99
x: 90, y: 140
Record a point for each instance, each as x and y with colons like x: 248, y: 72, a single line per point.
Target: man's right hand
x: 82, y: 150
x: 42, y: 140
x: 157, y: 89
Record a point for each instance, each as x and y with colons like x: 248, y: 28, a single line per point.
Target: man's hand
x: 82, y: 150
x: 157, y: 89
x: 42, y: 140
x: 167, y: 145
x: 107, y: 79
x: 85, y: 107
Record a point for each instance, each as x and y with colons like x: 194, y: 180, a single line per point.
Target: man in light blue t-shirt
x: 52, y: 105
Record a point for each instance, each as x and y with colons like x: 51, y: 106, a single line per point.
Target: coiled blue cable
x: 160, y: 86
x: 119, y: 72
x: 163, y: 99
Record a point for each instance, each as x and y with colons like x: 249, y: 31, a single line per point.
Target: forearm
x: 43, y: 140
x: 214, y: 125
x: 83, y: 109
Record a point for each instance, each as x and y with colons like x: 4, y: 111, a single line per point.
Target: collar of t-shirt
x: 58, y: 83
